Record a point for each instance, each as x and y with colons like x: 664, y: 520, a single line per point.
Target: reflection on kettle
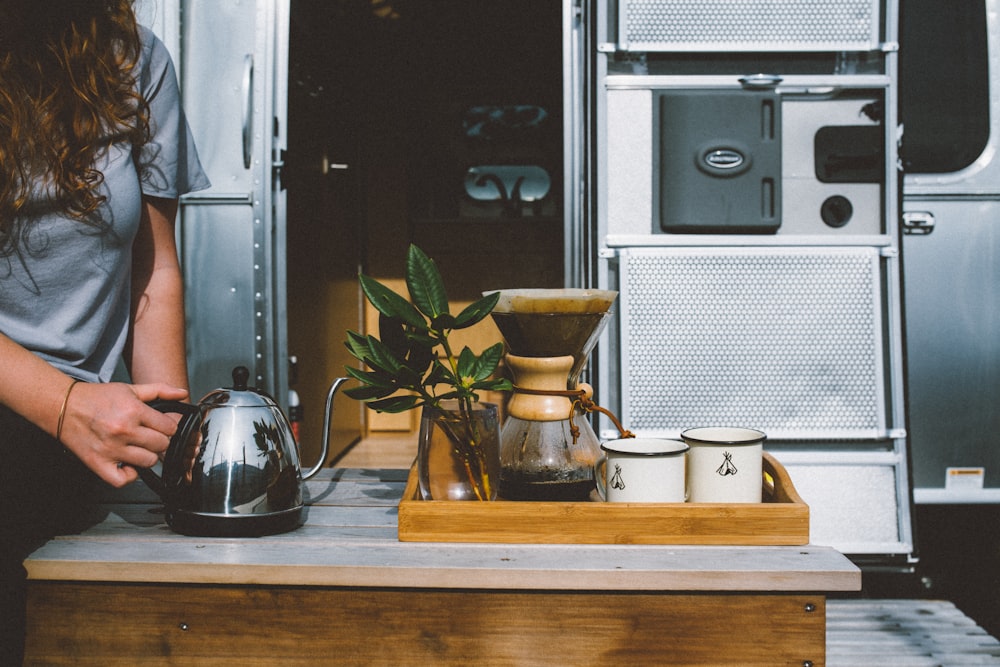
x: 232, y: 468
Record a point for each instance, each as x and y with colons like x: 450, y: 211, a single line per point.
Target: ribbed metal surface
x: 787, y: 340
x: 904, y: 633
x: 760, y: 25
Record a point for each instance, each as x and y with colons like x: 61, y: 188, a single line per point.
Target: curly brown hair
x: 67, y: 84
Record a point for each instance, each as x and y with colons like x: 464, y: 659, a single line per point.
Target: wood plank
x: 301, y: 626
x: 288, y: 560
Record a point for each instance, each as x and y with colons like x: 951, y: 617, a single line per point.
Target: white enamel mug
x: 724, y: 464
x: 641, y: 470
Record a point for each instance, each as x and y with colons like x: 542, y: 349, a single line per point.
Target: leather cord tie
x: 581, y: 401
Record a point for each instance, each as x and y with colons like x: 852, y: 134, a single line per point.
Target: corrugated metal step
x: 905, y: 633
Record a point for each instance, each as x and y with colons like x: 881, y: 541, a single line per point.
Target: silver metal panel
x: 217, y: 245
x: 630, y: 161
x: 763, y: 25
x: 233, y: 71
x: 218, y: 42
x: 953, y: 344
x: 802, y: 193
x: 787, y: 340
x: 869, y: 519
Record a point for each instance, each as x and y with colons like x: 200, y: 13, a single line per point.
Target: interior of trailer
x: 390, y: 106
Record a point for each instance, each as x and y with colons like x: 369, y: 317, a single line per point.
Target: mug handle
x: 599, y: 471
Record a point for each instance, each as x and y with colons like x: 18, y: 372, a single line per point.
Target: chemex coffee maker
x: 547, y: 447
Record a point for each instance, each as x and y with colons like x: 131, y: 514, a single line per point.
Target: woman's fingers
x: 111, y: 429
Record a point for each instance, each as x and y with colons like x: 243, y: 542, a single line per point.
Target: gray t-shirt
x: 65, y: 294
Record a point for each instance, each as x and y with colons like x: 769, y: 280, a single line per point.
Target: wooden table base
x: 103, y: 624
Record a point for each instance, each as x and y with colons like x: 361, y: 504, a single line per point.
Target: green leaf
x: 457, y: 393
x: 493, y: 384
x: 367, y: 393
x: 357, y: 345
x: 420, y: 358
x: 392, y: 331
x: 409, y: 378
x: 395, y: 404
x: 425, y: 284
x: 466, y: 363
x: 486, y: 364
x: 382, y: 357
x: 389, y: 303
x: 444, y: 322
x: 477, y: 311
x: 422, y: 340
x: 374, y: 379
x: 440, y: 374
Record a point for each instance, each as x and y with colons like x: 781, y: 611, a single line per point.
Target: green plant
x: 413, y: 363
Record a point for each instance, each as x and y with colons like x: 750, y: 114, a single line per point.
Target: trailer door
x: 949, y: 96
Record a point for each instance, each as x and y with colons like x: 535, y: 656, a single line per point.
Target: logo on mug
x: 616, y: 480
x: 727, y: 468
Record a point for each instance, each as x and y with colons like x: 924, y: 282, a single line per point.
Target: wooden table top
x: 350, y: 539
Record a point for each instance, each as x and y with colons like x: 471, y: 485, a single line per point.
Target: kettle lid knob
x: 241, y: 378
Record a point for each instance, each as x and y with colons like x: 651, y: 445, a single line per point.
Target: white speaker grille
x: 787, y: 340
x: 760, y: 25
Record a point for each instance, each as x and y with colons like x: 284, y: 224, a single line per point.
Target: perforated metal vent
x: 788, y: 340
x: 760, y: 25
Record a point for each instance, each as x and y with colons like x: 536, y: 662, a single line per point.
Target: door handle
x: 918, y: 223
x: 216, y: 198
x: 247, y: 110
x: 760, y: 81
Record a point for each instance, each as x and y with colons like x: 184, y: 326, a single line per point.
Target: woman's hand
x: 113, y: 431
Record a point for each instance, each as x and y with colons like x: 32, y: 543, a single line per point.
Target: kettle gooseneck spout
x: 327, y: 420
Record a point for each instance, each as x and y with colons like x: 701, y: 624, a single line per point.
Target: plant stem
x: 473, y: 440
x: 468, y: 444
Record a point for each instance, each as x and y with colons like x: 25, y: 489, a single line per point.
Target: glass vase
x: 458, y: 452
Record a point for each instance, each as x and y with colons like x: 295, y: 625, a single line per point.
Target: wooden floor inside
x: 860, y: 632
x: 387, y: 449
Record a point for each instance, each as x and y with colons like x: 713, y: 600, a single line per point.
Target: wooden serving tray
x: 782, y: 519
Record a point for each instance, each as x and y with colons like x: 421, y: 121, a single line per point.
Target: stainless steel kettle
x: 232, y: 468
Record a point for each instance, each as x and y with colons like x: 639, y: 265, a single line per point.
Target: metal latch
x: 918, y: 222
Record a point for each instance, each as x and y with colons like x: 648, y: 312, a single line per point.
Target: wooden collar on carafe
x: 582, y: 400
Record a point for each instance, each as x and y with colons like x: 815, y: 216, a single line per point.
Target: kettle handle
x: 189, y: 412
x: 327, y: 419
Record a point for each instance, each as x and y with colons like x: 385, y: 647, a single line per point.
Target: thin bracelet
x: 62, y: 410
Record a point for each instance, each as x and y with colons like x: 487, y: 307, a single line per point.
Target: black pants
x: 44, y: 491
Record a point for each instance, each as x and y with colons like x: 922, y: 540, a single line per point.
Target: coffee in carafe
x: 547, y: 447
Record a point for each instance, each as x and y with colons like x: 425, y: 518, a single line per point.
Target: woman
x: 94, y: 152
